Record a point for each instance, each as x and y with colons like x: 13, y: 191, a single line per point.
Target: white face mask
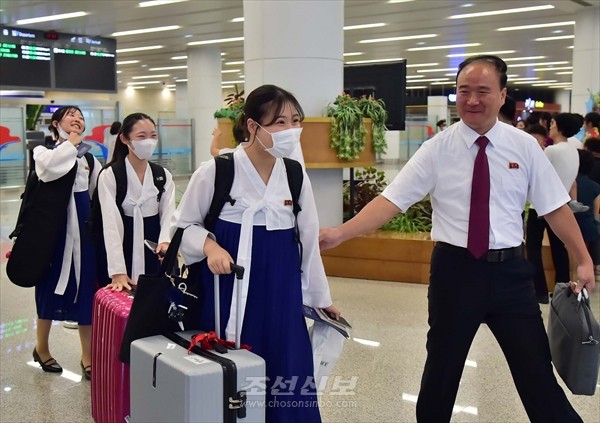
x: 284, y: 142
x: 143, y: 149
x: 61, y: 133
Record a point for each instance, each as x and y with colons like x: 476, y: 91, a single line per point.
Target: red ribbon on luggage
x: 208, y: 340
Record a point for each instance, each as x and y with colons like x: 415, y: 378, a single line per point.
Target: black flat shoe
x: 87, y: 371
x: 50, y: 365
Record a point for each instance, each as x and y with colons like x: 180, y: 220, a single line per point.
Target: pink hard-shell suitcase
x: 110, y: 377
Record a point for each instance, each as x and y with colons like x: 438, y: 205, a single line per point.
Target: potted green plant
x: 234, y: 105
x: 367, y: 184
x: 348, y: 133
x: 375, y: 110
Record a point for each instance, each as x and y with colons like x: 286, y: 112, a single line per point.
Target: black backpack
x: 95, y: 218
x: 224, y: 180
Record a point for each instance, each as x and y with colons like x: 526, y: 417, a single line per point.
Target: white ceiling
x: 211, y: 19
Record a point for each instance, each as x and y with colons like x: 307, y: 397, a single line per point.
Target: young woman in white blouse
x: 256, y: 230
x: 146, y: 212
x: 67, y: 291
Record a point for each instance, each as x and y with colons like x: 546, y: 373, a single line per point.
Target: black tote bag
x: 163, y: 303
x: 41, y: 219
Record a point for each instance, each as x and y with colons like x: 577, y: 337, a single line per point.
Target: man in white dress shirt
x: 496, y: 286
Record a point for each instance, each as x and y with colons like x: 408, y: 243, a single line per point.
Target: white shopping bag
x: 327, y: 344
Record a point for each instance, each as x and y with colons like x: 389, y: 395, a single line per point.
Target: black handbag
x: 163, y: 303
x: 574, y: 337
x: 41, y: 219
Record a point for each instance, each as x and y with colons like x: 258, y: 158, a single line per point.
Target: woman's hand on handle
x: 217, y: 258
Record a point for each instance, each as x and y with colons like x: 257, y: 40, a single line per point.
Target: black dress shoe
x: 50, y: 365
x: 87, y: 371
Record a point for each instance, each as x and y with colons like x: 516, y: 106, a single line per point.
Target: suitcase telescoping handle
x: 239, y: 275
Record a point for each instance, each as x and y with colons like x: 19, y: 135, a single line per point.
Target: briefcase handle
x: 585, y: 296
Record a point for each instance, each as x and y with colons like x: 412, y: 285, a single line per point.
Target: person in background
x: 574, y: 140
x: 66, y: 293
x: 539, y: 133
x: 214, y: 144
x: 588, y: 192
x: 592, y: 145
x: 591, y: 123
x: 507, y: 111
x: 256, y: 230
x: 111, y: 139
x: 565, y: 160
x: 143, y: 215
x: 480, y: 274
x: 521, y: 124
x: 441, y: 124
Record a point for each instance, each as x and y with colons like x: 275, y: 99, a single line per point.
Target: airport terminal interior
x: 377, y: 377
x: 375, y: 380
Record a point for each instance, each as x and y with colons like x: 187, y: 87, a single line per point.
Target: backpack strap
x: 223, y: 181
x: 295, y: 176
x: 160, y: 179
x: 120, y: 173
x: 90, y: 160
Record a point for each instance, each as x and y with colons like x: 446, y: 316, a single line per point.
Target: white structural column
x: 299, y: 45
x: 203, y: 96
x: 586, y: 58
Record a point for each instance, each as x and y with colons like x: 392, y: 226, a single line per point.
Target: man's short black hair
x: 508, y: 109
x: 537, y: 129
x: 498, y: 63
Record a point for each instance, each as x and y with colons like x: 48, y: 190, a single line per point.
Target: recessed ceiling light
x: 181, y: 80
x: 537, y: 82
x: 230, y: 71
x: 414, y: 76
x: 128, y: 62
x: 416, y: 87
x: 240, y: 81
x: 558, y: 31
x: 429, y: 80
x: 240, y: 19
x: 421, y: 65
x: 145, y: 30
x: 544, y: 25
x: 467, y: 5
x: 150, y: 76
x: 355, y: 53
x: 178, y: 57
x: 357, y: 62
x: 514, y: 59
x: 437, y: 70
x: 216, y: 41
x: 399, y: 1
x: 144, y: 82
x: 557, y: 37
x: 482, y: 53
x: 502, y: 12
x: 126, y: 50
x: 364, y: 26
x: 51, y: 18
x: 564, y: 73
x: 527, y: 78
x: 552, y: 69
x: 520, y: 65
x: 168, y: 68
x: 157, y: 2
x: 407, y: 37
x: 443, y: 47
x: 240, y: 62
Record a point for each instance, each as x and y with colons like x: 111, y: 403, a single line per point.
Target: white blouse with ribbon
x: 50, y: 165
x: 140, y: 202
x: 255, y: 204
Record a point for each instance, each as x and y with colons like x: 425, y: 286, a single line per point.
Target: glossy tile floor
x: 376, y: 379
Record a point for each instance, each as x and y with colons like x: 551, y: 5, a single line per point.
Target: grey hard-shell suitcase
x: 168, y: 384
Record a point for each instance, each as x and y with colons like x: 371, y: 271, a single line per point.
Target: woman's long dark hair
x: 121, y: 149
x: 58, y: 115
x: 262, y: 101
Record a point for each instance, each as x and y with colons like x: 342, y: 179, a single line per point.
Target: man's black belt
x: 492, y: 256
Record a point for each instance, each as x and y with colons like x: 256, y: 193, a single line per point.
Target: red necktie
x: 479, y: 214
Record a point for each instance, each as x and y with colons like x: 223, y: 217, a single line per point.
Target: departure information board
x: 38, y: 60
